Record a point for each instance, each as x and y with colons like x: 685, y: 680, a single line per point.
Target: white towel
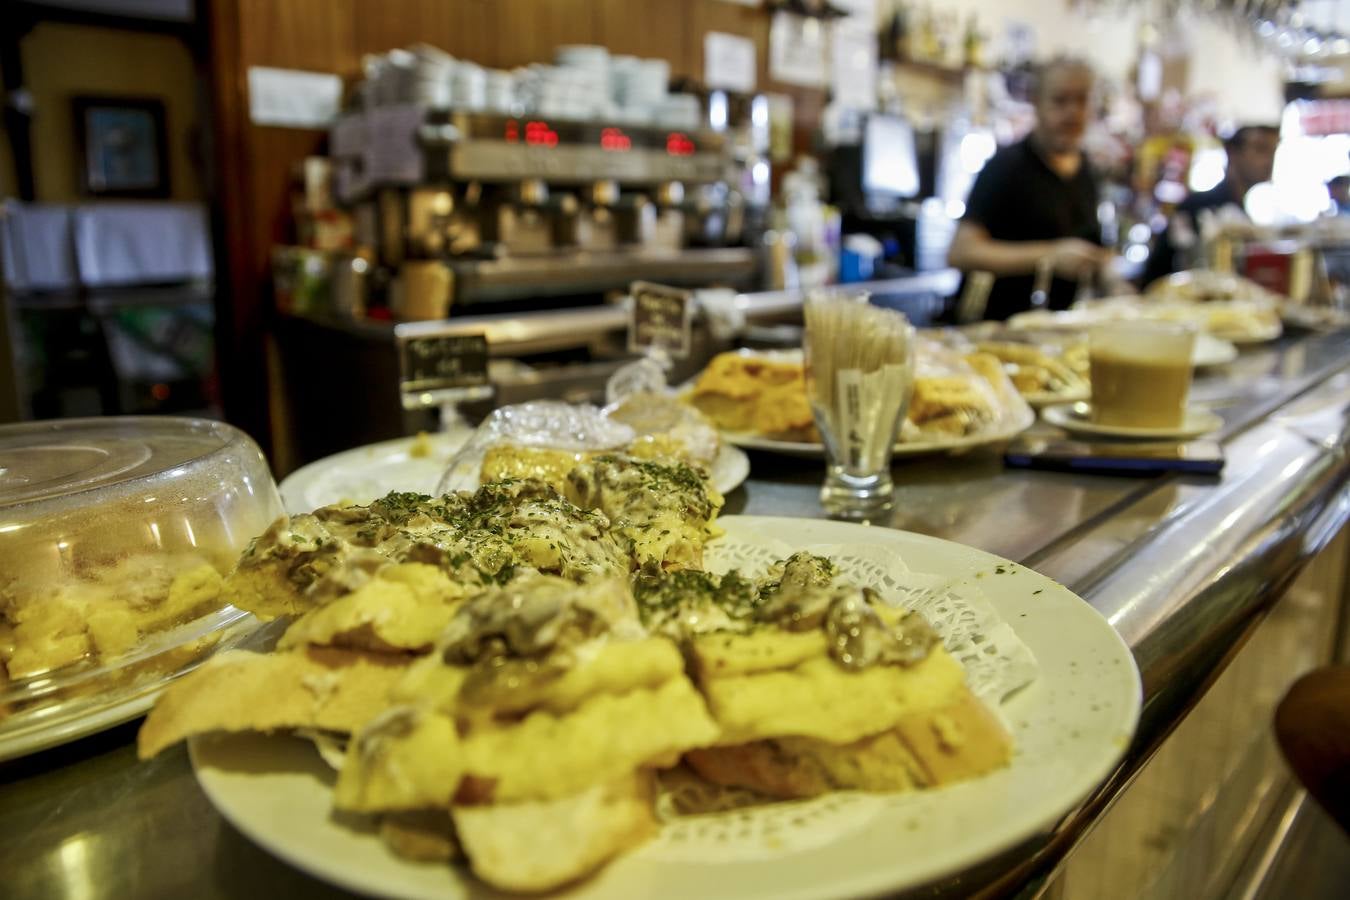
x: 35, y: 240
x: 142, y: 243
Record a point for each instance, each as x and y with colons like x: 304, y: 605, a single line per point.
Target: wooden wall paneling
x: 474, y: 31
x: 387, y: 24
x: 252, y: 167
x: 651, y: 28
x: 239, y: 309
x: 466, y: 29
x: 714, y: 15
x: 733, y: 18
x: 273, y: 153
x: 299, y: 34
x: 809, y: 106
x: 527, y: 31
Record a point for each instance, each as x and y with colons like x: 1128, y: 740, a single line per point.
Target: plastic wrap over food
x: 545, y: 438
x: 540, y: 425
x: 960, y: 395
x: 644, y: 376
x: 640, y: 398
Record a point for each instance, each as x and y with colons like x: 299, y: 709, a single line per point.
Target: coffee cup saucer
x: 1076, y: 418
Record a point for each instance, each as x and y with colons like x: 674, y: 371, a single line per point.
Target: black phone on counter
x: 1115, y: 457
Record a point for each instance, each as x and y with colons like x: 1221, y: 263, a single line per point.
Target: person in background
x: 1034, y: 205
x: 1338, y: 189
x: 1251, y: 160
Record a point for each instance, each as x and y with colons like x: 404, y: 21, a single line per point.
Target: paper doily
x: 996, y: 661
x: 997, y: 665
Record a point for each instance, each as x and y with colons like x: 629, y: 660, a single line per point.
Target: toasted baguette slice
x: 961, y: 741
x: 315, y: 687
x: 537, y: 846
x: 807, y: 767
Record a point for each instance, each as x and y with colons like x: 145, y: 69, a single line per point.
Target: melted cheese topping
x: 504, y: 529
x: 664, y: 510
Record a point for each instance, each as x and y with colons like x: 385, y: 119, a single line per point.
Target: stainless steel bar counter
x: 1185, y: 568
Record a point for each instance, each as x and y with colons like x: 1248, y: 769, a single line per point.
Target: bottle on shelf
x: 973, y: 45
x: 921, y: 35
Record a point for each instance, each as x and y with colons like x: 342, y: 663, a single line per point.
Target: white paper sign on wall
x: 853, y: 65
x: 797, y: 50
x: 292, y: 98
x: 729, y: 62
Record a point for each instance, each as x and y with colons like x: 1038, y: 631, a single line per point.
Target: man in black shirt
x: 1035, y: 202
x: 1251, y: 160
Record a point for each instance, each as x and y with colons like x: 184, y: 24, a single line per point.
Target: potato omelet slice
x: 551, y: 688
x: 751, y: 393
x: 951, y: 405
x: 542, y: 699
x: 876, y: 701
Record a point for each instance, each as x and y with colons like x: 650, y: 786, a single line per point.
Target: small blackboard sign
x: 660, y: 319
x: 440, y: 364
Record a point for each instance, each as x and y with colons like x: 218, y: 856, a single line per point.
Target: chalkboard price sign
x: 660, y: 320
x: 441, y: 364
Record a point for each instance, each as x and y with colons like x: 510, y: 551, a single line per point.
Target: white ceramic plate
x: 1212, y: 351
x: 1313, y: 318
x: 366, y: 473
x: 1255, y: 336
x: 811, y: 450
x: 1036, y: 401
x: 1071, y: 727
x: 1077, y: 419
x: 363, y: 474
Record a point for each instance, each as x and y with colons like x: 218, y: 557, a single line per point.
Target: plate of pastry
x: 597, y: 686
x: 960, y: 400
x: 1041, y: 375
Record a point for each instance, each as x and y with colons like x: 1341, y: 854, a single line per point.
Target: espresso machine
x: 522, y: 207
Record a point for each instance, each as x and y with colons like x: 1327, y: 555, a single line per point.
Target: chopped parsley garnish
x: 660, y: 594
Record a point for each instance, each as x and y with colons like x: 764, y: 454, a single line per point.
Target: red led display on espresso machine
x: 679, y: 144
x: 615, y: 139
x: 537, y: 134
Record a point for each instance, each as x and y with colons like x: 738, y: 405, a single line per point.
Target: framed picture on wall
x: 123, y: 148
